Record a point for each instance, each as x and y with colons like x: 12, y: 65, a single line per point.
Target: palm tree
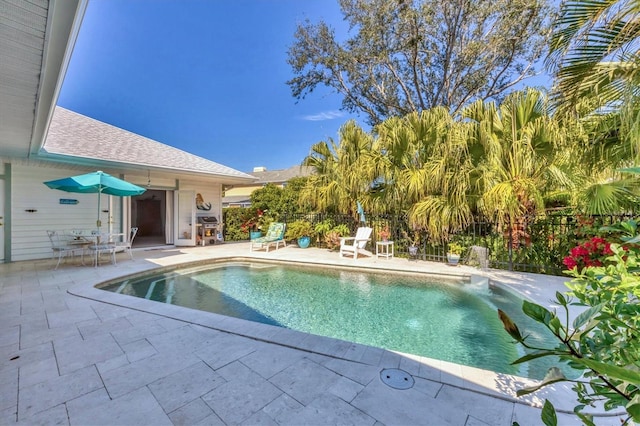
x: 517, y: 156
x: 594, y: 51
x: 343, y: 172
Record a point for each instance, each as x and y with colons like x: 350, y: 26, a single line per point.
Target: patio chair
x: 125, y: 246
x: 275, y: 236
x: 356, y: 245
x: 60, y: 247
x: 103, y: 245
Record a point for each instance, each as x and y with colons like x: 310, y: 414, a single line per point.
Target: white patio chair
x: 60, y: 247
x: 103, y: 245
x: 356, y: 245
x: 125, y: 246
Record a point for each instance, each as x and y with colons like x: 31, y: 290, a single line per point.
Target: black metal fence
x: 534, y: 244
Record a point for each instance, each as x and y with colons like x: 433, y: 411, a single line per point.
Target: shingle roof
x: 279, y: 176
x: 73, y: 134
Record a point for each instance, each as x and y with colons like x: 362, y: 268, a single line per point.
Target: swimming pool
x: 447, y: 319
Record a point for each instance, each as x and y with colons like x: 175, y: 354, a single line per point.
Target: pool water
x: 450, y: 320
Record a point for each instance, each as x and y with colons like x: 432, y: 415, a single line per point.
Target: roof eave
x: 63, y: 24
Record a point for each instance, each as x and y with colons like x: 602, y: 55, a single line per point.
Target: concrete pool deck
x: 75, y: 355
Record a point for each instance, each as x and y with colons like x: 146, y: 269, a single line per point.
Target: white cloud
x: 326, y: 115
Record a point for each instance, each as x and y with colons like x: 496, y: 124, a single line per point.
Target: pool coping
x: 486, y: 382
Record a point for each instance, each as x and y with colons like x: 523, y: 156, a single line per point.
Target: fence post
x: 510, y: 245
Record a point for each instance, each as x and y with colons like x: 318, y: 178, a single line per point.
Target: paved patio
x: 74, y: 355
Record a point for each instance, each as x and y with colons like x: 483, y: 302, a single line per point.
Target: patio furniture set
x: 73, y: 242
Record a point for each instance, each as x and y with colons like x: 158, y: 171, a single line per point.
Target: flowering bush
x: 384, y: 233
x: 591, y: 253
x: 252, y: 224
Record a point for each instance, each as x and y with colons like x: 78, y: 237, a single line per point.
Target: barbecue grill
x: 207, y: 229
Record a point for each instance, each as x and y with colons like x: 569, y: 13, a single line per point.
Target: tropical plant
x: 343, y: 172
x: 299, y: 229
x: 601, y: 342
x: 594, y: 51
x: 333, y: 237
x: 455, y: 248
x: 411, y: 56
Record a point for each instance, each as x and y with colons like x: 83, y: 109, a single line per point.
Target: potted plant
x: 414, y: 240
x: 332, y: 238
x: 300, y: 230
x: 454, y: 251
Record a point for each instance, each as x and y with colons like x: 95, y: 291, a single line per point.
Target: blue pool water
x: 443, y: 319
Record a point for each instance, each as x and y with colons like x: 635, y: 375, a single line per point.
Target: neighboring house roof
x: 76, y: 135
x: 236, y: 200
x: 280, y: 176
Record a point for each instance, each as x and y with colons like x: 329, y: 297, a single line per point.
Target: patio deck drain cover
x: 396, y: 378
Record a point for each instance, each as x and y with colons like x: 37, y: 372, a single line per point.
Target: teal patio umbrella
x: 98, y: 183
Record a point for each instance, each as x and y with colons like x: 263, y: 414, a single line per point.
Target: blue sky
x: 205, y: 76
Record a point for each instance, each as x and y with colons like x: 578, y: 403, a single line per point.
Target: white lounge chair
x: 354, y: 246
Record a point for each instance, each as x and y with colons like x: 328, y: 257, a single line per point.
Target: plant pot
x: 255, y: 234
x: 413, y: 250
x: 453, y: 259
x: 303, y: 242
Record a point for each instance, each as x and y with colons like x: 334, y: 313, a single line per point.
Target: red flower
x: 591, y: 253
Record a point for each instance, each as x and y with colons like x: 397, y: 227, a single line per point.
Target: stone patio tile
x: 305, y: 380
x: 176, y: 390
x: 8, y: 415
x: 260, y: 418
x: 282, y: 408
x: 268, y: 360
x: 360, y: 373
x: 226, y: 349
x: 427, y: 387
x: 493, y: 411
x: 98, y: 327
x: 138, y: 331
x: 45, y: 395
x: 406, y: 407
x: 38, y: 371
x: 69, y: 317
x: 136, y: 408
x: 108, y: 312
x: 345, y: 389
x: 9, y: 335
x: 390, y: 360
x: 185, y: 336
x: 9, y: 379
x: 125, y: 379
x: 372, y: 356
x: 25, y: 356
x: 112, y: 364
x: 472, y: 421
x: 39, y: 332
x: 140, y: 349
x: 212, y: 420
x: 73, y: 355
x: 53, y: 416
x: 244, y: 394
x: 192, y: 413
x: 329, y: 409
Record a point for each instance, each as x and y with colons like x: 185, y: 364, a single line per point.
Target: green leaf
x: 548, y: 415
x: 633, y: 408
x: 613, y: 371
x: 538, y: 354
x: 586, y: 316
x: 536, y: 312
x: 562, y: 300
x: 553, y: 375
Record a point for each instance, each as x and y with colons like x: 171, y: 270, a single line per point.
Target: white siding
x: 211, y: 193
x: 28, y: 231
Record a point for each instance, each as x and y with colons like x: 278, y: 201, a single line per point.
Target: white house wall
x: 211, y: 193
x: 28, y: 231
